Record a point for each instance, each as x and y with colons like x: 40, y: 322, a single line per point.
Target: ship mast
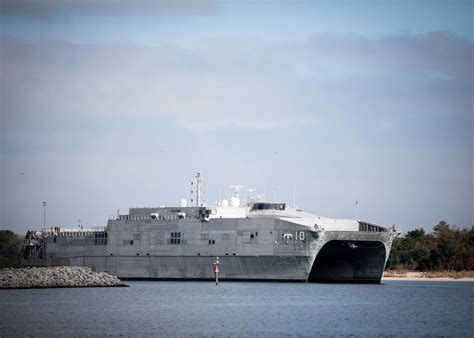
x: 199, y: 188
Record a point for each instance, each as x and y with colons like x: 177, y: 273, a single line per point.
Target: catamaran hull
x: 330, y: 260
x: 249, y: 248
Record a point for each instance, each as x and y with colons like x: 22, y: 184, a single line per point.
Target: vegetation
x: 448, y: 248
x: 10, y: 244
x: 10, y: 247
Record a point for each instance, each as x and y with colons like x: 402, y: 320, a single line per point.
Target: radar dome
x: 234, y: 201
x: 183, y: 203
x: 225, y: 203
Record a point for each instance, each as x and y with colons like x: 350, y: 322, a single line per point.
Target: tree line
x: 448, y: 248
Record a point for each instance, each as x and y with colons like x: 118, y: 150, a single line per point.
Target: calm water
x: 255, y: 309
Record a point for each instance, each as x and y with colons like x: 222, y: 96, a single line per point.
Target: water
x: 243, y: 309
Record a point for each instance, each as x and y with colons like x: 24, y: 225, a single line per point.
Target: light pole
x: 44, y: 215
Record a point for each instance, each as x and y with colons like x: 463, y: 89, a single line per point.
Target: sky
x: 111, y: 104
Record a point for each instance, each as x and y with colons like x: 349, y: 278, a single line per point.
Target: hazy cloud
x: 47, y: 9
x: 262, y: 83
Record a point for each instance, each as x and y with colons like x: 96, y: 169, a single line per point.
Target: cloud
x: 47, y: 9
x: 244, y: 84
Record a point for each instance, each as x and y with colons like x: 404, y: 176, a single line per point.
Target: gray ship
x: 258, y: 240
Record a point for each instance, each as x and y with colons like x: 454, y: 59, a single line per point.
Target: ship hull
x: 349, y: 261
x: 201, y: 268
x: 269, y: 248
x: 334, y: 257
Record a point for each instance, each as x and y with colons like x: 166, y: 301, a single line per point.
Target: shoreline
x: 56, y: 277
x: 443, y: 276
x: 427, y: 279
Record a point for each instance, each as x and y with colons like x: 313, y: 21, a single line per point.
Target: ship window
x: 100, y: 238
x: 175, y: 237
x: 268, y: 206
x: 212, y: 241
x: 252, y: 236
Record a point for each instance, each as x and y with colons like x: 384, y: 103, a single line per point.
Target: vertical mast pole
x: 198, y: 189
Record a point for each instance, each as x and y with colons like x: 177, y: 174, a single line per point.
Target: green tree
x: 448, y: 248
x: 10, y: 245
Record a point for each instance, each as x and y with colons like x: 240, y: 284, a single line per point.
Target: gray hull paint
x: 248, y: 248
x: 367, y: 267
x: 201, y: 268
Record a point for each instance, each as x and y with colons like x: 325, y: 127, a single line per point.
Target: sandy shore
x: 56, y: 277
x: 423, y: 276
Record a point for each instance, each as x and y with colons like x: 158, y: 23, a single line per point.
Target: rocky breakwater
x: 56, y: 277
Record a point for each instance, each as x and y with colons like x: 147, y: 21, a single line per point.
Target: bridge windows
x: 268, y: 206
x: 370, y: 227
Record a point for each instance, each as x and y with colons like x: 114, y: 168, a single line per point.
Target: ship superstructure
x: 258, y: 240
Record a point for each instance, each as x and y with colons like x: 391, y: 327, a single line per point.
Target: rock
x: 56, y: 277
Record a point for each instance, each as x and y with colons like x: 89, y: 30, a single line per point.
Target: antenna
x: 250, y: 193
x: 236, y: 189
x: 198, y: 189
x: 234, y: 200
